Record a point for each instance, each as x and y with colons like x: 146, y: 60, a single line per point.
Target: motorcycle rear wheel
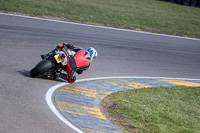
x: 42, y: 67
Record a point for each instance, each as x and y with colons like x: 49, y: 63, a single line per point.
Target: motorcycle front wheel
x: 42, y: 67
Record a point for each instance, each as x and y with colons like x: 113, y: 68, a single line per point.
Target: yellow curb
x: 80, y: 110
x: 87, y: 130
x: 180, y: 82
x: 85, y: 91
x: 124, y: 83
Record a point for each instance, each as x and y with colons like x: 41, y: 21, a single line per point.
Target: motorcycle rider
x: 78, y: 59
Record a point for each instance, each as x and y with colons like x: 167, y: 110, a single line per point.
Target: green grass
x: 159, y: 109
x: 147, y: 15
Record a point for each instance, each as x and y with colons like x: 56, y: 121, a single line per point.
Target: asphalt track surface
x: 120, y: 53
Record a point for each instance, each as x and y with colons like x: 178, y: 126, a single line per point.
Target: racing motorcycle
x: 52, y: 64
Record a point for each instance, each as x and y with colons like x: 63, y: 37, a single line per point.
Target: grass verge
x: 157, y: 109
x: 146, y: 15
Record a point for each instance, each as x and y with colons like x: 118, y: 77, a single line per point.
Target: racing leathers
x: 78, y: 60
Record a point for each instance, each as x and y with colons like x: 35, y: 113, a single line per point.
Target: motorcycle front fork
x: 58, y: 74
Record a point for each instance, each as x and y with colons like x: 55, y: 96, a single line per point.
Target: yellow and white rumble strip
x: 79, y: 102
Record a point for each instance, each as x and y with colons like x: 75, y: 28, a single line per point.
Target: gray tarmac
x: 120, y: 53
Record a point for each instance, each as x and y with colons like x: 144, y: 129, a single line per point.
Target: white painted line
x: 53, y: 108
x: 50, y: 92
x: 103, y: 27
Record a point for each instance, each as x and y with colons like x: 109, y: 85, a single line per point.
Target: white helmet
x: 93, y: 53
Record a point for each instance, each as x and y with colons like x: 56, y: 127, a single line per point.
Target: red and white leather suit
x: 78, y: 62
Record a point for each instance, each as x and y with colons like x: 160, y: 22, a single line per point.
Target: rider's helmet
x: 92, y: 52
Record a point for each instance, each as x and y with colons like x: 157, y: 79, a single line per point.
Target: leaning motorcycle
x: 52, y: 65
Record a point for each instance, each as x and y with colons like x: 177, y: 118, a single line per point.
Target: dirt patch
x: 107, y: 106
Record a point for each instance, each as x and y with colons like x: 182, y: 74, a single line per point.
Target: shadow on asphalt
x: 26, y: 73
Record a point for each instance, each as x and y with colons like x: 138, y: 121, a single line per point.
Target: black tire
x: 42, y: 67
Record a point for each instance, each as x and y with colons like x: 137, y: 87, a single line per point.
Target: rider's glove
x: 79, y: 71
x: 69, y: 46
